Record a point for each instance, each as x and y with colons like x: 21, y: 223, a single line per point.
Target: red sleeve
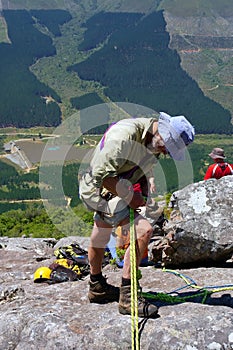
x: 208, y: 174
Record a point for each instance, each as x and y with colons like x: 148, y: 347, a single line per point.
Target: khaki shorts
x: 111, y: 211
x: 112, y: 219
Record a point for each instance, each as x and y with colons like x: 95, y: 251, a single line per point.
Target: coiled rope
x: 212, y: 289
x: 202, y: 291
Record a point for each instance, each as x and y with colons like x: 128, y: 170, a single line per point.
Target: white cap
x: 176, y: 133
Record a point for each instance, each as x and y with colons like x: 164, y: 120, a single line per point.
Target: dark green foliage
x: 104, y: 24
x: 52, y: 174
x: 136, y: 65
x: 84, y: 214
x: 16, y: 186
x: 22, y: 103
x: 52, y: 19
x: 25, y: 186
x: 167, y: 181
x: 25, y: 37
x: 70, y: 183
x: 98, y: 130
x: 22, y: 192
x: 86, y: 101
x: 8, y: 173
x: 92, y: 120
x: 5, y: 207
x: 35, y: 221
x: 2, y: 141
x: 32, y: 222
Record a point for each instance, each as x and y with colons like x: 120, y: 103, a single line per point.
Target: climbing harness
x: 134, y: 285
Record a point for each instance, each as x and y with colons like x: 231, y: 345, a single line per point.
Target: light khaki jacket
x: 121, y: 149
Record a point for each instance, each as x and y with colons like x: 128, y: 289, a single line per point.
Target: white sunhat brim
x: 173, y: 142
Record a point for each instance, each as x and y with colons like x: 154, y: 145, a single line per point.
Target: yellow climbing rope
x: 134, y: 285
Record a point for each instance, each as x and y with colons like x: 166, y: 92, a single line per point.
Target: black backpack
x: 75, y: 253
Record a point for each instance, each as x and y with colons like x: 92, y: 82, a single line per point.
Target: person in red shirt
x: 220, y: 168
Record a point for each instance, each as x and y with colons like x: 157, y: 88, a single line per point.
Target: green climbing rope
x: 203, y: 292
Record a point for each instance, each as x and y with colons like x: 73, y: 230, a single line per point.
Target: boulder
x: 200, y: 229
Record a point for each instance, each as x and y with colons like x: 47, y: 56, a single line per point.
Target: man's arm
x: 123, y: 190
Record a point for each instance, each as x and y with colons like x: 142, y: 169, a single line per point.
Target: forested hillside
x: 136, y: 65
x: 22, y: 95
x: 58, y: 57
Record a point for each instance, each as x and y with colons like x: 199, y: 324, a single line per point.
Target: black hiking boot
x: 145, y: 309
x: 101, y: 292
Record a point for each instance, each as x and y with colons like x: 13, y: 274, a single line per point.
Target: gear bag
x: 60, y: 273
x: 77, y: 255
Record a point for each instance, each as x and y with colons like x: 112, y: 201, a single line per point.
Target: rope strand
x: 203, y: 292
x: 134, y: 292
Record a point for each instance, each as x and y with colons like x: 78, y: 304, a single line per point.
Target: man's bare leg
x: 143, y: 233
x: 100, y: 291
x: 99, y: 238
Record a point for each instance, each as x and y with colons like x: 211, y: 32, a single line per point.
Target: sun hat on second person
x: 177, y: 133
x: 217, y: 153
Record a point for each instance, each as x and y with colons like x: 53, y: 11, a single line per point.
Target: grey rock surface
x: 200, y: 229
x: 38, y: 316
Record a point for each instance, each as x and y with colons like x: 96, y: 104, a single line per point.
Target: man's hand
x: 152, y: 185
x: 124, y: 190
x: 135, y: 200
